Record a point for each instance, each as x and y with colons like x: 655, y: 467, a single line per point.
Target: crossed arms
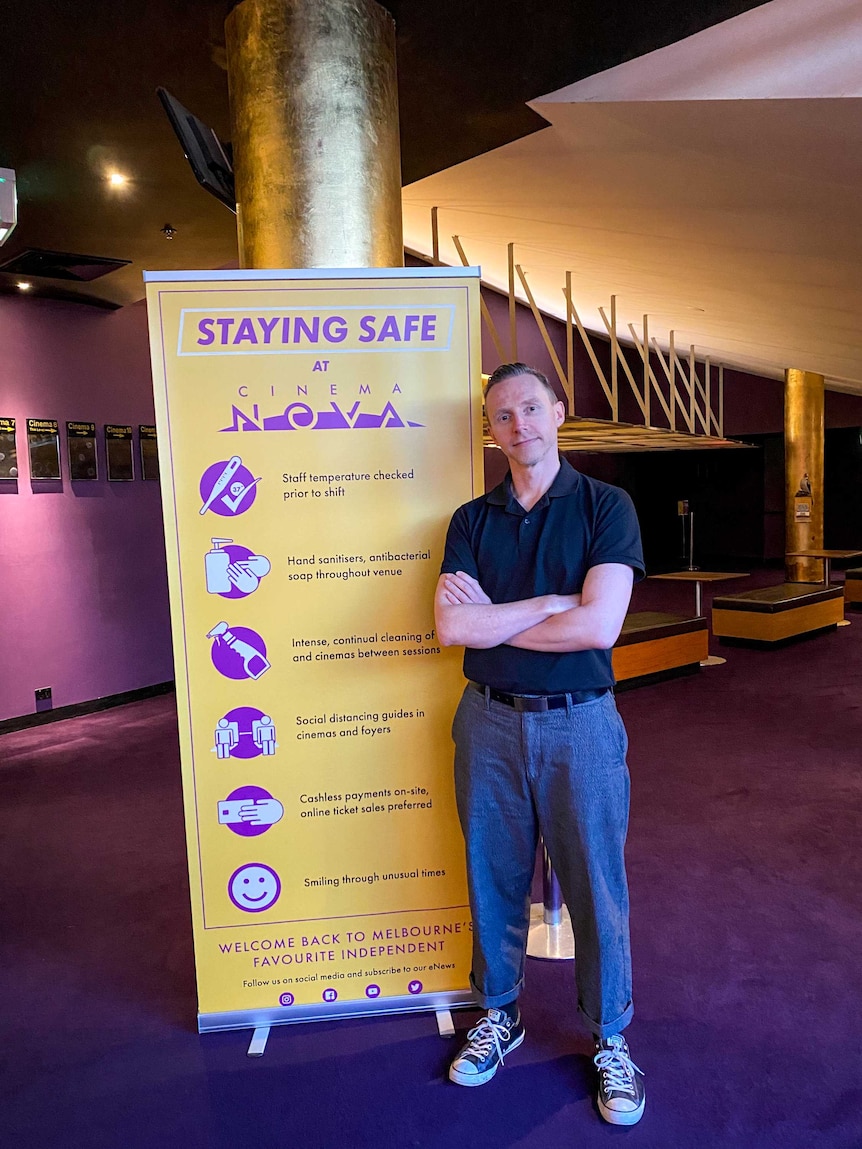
x: 556, y: 623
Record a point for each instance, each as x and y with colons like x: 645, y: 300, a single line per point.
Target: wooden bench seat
x: 776, y: 613
x: 853, y: 586
x: 659, y: 644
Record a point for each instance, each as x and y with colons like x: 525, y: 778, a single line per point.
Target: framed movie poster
x: 149, y: 452
x: 81, y: 442
x: 8, y: 450
x: 118, y: 449
x: 43, y: 441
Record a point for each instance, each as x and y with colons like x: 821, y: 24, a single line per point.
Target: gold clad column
x: 803, y: 466
x: 317, y: 161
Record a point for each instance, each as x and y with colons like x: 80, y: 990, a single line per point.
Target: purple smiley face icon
x: 254, y: 887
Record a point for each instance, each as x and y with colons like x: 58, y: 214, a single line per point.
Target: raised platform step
x: 775, y: 613
x: 652, y: 643
x: 853, y: 585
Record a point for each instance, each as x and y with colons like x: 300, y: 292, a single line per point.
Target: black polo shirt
x: 516, y: 554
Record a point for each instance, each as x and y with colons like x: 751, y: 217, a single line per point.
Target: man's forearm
x: 588, y: 627
x: 483, y: 625
x: 595, y: 624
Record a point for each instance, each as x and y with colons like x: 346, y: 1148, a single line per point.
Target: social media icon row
x: 330, y: 994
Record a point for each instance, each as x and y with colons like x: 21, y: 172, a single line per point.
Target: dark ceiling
x: 78, y: 97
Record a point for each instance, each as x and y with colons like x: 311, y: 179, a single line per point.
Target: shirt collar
x: 565, y: 482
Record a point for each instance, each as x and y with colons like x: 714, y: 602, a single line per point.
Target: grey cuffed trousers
x: 562, y: 773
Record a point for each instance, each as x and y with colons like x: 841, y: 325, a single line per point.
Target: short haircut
x: 512, y: 371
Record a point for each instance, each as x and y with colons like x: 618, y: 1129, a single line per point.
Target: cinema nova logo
x: 299, y: 416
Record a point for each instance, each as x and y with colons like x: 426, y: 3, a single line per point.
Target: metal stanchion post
x: 691, y: 563
x: 550, y: 936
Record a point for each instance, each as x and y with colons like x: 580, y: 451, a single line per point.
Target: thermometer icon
x: 231, y: 467
x: 230, y: 493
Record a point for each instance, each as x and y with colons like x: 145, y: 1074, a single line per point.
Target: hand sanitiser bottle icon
x: 236, y: 654
x: 233, y: 571
x: 216, y: 563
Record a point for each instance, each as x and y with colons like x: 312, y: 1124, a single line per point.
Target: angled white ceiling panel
x: 784, y: 50
x: 736, y: 222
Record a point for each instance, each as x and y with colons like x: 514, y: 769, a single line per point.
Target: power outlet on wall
x: 43, y: 699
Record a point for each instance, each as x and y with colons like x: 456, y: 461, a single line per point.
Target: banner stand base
x: 442, y: 1004
x: 257, y: 1045
x: 260, y: 1036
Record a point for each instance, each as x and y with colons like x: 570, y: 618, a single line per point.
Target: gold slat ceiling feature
x: 601, y: 435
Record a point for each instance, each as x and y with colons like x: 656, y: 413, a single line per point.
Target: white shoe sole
x: 622, y: 1116
x: 471, y: 1079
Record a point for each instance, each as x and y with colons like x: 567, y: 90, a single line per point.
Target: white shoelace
x: 484, y: 1036
x: 618, y: 1069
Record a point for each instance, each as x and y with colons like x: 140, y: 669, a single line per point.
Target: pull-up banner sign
x: 316, y: 430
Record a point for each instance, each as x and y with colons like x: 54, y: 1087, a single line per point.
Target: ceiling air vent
x: 34, y: 262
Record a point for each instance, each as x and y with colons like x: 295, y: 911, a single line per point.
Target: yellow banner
x: 316, y: 430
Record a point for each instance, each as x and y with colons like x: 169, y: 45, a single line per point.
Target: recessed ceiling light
x: 22, y: 285
x: 117, y: 180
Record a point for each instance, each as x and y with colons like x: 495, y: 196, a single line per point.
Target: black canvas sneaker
x: 621, y: 1092
x: 488, y: 1043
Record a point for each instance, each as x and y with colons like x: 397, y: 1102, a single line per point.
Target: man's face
x: 523, y: 419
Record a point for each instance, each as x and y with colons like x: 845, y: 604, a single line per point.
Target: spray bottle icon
x: 254, y: 663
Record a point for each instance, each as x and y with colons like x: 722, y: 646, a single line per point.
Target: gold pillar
x: 317, y: 161
x: 803, y: 460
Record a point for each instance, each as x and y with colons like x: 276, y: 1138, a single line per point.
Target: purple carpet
x: 744, y: 869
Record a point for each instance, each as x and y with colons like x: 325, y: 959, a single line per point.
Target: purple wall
x: 755, y: 406
x: 83, y: 586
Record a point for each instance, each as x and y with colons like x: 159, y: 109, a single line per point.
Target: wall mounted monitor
x: 207, y: 155
x: 43, y: 442
x: 8, y: 450
x: 81, y: 442
x: 118, y: 449
x: 149, y: 452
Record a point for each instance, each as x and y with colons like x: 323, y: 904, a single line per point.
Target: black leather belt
x: 540, y: 702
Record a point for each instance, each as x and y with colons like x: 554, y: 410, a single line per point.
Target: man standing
x: 535, y: 584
